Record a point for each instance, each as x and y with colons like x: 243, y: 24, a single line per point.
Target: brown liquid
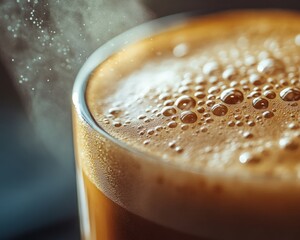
x: 214, y: 103
x: 110, y: 221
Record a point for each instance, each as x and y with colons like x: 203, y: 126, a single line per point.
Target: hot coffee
x: 200, y: 133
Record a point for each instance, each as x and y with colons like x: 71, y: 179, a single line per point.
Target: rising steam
x: 43, y: 45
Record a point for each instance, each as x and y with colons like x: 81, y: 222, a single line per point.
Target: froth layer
x: 219, y: 93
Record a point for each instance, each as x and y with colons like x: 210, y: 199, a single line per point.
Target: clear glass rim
x: 114, y: 45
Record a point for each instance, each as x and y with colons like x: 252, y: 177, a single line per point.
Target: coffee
x: 201, y: 132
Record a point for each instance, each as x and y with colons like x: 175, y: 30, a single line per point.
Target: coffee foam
x: 218, y: 93
x: 209, y: 111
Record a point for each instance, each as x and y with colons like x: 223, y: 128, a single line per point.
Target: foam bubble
x: 269, y: 94
x: 185, y: 102
x: 290, y: 94
x: 248, y: 158
x: 219, y: 109
x: 269, y: 66
x: 168, y: 111
x: 260, y: 103
x: 288, y: 143
x: 256, y: 79
x: 211, y: 68
x: 188, y: 117
x: 232, y: 96
x: 180, y: 50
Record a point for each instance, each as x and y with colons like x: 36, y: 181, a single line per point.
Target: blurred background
x: 43, y: 44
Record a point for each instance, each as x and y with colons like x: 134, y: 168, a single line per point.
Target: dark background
x: 42, y: 46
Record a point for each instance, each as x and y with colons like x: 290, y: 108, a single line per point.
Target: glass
x: 125, y: 194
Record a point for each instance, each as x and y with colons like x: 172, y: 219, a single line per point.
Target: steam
x: 44, y: 44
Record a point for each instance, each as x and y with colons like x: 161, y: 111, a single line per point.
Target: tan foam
x: 249, y: 51
x: 253, y: 141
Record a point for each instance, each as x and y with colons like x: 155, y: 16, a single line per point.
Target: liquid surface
x: 221, y: 94
x: 216, y: 95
